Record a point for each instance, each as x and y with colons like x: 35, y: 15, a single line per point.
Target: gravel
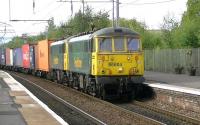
x: 181, y: 103
x: 104, y: 111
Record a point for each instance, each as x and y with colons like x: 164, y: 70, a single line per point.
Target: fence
x: 167, y: 60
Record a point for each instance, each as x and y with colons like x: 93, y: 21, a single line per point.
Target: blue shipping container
x: 17, y: 57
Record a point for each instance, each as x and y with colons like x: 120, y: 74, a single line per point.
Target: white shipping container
x: 11, y: 57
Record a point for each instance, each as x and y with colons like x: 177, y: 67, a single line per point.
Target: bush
x: 179, y: 69
x: 192, y: 71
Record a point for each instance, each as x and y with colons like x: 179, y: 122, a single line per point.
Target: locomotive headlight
x: 120, y: 70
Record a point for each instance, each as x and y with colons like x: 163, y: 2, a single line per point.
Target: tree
x: 189, y: 30
x: 168, y: 27
x: 83, y: 22
x: 150, y: 39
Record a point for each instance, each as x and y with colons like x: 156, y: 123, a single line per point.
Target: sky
x: 149, y: 11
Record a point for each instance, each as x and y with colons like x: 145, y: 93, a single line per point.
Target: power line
x: 3, y: 23
x: 88, y: 1
x: 29, y: 20
x: 84, y: 1
x: 131, y: 2
x: 55, y: 8
x: 160, y: 2
x: 47, y: 6
x: 24, y: 20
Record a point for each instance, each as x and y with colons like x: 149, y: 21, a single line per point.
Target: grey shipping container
x: 17, y: 57
x: 2, y: 56
x: 57, y: 55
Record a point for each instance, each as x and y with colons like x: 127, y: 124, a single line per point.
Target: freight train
x: 106, y: 63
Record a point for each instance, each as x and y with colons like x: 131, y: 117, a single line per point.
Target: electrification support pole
x: 117, y: 13
x: 113, y: 14
x: 83, y: 6
x: 9, y: 11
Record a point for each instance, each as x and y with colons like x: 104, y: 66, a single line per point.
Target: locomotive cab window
x: 119, y: 44
x: 105, y: 44
x: 133, y: 44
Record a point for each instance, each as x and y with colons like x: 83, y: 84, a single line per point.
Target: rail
x: 95, y: 120
x: 169, y: 113
x: 137, y: 116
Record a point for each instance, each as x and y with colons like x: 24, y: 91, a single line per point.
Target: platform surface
x: 19, y: 107
x: 182, y: 80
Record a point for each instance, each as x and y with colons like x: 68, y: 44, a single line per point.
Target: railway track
x: 127, y: 117
x: 78, y: 116
x: 130, y: 109
x: 164, y: 116
x: 172, y: 115
x: 183, y: 103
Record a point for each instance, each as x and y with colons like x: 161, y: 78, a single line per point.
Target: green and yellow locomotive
x: 106, y: 63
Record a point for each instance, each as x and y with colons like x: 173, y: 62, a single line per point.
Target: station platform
x: 182, y: 80
x: 18, y: 106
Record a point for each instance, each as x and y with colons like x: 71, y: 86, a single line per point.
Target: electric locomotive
x: 106, y: 63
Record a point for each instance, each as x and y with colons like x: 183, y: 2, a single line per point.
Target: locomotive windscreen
x: 118, y: 44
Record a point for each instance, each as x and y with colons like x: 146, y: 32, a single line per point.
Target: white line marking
x: 175, y: 88
x: 58, y: 118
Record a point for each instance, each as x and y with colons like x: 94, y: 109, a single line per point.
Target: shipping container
x: 2, y: 56
x: 17, y: 57
x: 57, y: 55
x: 32, y: 56
x: 36, y: 57
x: 26, y: 56
x: 43, y: 55
x: 9, y: 57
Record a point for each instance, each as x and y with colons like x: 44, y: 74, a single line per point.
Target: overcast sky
x: 142, y: 10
